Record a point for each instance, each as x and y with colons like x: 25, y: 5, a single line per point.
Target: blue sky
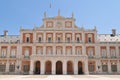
x: 104, y: 14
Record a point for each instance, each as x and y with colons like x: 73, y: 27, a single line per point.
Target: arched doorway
x: 48, y: 67
x: 37, y: 67
x: 80, y: 70
x: 69, y: 67
x: 59, y: 67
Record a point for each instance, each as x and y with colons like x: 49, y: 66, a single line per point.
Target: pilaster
x: 31, y: 67
x: 42, y: 69
x: 75, y: 67
x: 64, y: 67
x: 86, y: 67
x: 53, y: 67
x: 109, y: 67
x: 7, y: 67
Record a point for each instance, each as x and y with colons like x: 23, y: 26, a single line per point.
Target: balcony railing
x: 3, y: 57
x: 26, y: 57
x: 12, y: 56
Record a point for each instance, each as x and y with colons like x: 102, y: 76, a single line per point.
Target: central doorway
x: 59, y: 67
x: 48, y: 67
x: 37, y: 67
x: 80, y: 70
x: 69, y: 67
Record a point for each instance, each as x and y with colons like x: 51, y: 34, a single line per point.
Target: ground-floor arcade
x: 59, y: 65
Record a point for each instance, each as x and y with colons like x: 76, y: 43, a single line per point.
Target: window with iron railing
x: 105, y: 68
x: 12, y: 68
x: 2, y: 67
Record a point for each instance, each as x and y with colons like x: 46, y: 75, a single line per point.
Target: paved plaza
x: 59, y: 77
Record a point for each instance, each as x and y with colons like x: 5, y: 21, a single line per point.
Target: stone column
x: 97, y: 52
x: 53, y: 67
x: 98, y: 63
x: 7, y: 67
x: 42, y: 67
x: 33, y: 50
x: 117, y: 51
x: 73, y: 50
x: 54, y: 37
x: 54, y: 49
x: 63, y: 37
x: 31, y: 67
x: 75, y: 67
x: 64, y: 67
x: 86, y: 67
x: 0, y: 51
x: 83, y: 50
x: 108, y: 51
x: 109, y: 67
x: 44, y: 37
x: 8, y: 52
x: 34, y: 37
x: 73, y: 37
x: 64, y: 48
x: 83, y: 37
x: 118, y: 66
x: 44, y: 50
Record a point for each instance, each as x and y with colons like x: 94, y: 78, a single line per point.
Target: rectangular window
x: 91, y: 68
x: 78, y: 40
x: 114, y: 68
x: 89, y: 40
x: 68, y: 40
x: 2, y: 68
x: 26, y: 68
x: 12, y: 68
x: 104, y: 68
x: 27, y: 40
x: 59, y: 40
x: 39, y: 39
x: 49, y: 39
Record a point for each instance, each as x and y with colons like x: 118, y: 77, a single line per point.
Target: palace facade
x: 58, y: 46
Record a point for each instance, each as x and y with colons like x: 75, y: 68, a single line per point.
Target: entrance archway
x: 69, y: 67
x: 59, y: 67
x: 80, y: 70
x: 48, y: 67
x: 37, y: 67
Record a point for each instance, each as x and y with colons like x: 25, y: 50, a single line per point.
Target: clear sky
x: 104, y: 14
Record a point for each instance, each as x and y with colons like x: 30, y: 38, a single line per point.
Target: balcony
x: 91, y: 57
x: 104, y: 57
x: 2, y: 56
x: 12, y: 56
x: 26, y: 57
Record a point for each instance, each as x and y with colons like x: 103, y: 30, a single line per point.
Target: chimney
x: 5, y: 32
x: 114, y: 32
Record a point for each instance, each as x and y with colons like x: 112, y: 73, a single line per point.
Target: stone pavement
x: 59, y: 77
